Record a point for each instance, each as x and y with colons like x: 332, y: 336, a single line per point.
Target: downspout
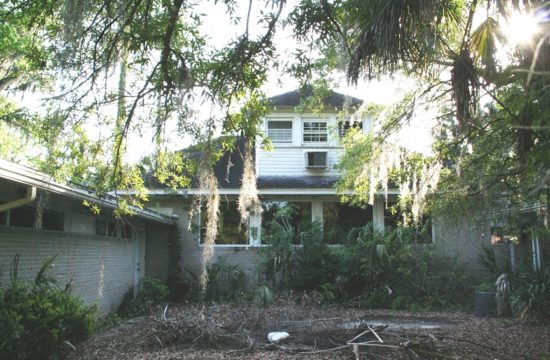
x: 29, y: 197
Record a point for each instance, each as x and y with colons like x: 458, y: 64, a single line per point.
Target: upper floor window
x: 345, y: 126
x: 280, y: 131
x: 315, y: 131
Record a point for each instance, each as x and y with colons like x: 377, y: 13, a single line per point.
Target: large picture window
x: 280, y: 131
x: 422, y: 232
x: 293, y: 217
x: 230, y: 229
x: 339, y: 219
x: 315, y: 131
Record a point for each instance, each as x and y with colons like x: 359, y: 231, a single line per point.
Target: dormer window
x: 280, y: 132
x: 315, y: 131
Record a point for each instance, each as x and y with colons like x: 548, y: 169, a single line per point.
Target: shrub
x: 39, y: 319
x: 225, y: 281
x: 278, y: 264
x: 263, y: 296
x: 382, y: 269
x: 531, y: 293
x: 152, y: 292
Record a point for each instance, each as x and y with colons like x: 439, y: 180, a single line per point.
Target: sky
x: 220, y: 30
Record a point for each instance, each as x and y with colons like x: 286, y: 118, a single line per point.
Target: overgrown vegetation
x: 531, y: 294
x: 380, y: 269
x: 152, y: 292
x: 530, y: 287
x: 41, y: 320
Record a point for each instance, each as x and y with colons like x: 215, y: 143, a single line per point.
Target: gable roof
x: 31, y: 177
x: 333, y: 99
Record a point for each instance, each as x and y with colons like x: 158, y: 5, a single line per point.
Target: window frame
x: 263, y: 228
x: 316, y: 133
x: 249, y: 231
x: 276, y: 140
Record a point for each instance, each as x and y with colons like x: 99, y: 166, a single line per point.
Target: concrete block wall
x: 101, y: 269
x: 462, y: 238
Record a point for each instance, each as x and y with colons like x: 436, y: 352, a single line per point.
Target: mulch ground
x: 239, y: 331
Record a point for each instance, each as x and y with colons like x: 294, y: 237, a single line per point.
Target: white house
x: 299, y: 170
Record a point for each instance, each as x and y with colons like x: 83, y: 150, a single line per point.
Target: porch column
x: 317, y: 211
x: 378, y: 213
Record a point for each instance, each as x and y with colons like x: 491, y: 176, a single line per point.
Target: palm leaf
x: 14, y: 268
x: 385, y: 34
x: 42, y: 279
x: 483, y: 45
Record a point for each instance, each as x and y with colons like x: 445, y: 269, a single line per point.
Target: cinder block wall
x: 462, y: 238
x: 102, y: 269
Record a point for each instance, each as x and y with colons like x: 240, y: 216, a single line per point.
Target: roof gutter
x: 29, y: 198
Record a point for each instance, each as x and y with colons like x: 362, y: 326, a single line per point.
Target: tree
x: 498, y: 151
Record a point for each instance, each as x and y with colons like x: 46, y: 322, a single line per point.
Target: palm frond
x: 42, y: 279
x: 14, y: 269
x: 388, y: 33
x: 483, y: 46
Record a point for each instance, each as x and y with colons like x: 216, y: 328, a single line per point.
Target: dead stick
x: 375, y: 334
x: 356, y: 352
x: 324, y: 350
x: 358, y: 336
x: 312, y: 320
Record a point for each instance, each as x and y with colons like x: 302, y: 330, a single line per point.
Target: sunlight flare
x: 520, y: 28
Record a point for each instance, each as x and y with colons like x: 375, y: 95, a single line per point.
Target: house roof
x: 295, y: 97
x: 31, y: 177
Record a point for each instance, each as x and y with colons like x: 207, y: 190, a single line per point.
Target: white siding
x: 289, y: 159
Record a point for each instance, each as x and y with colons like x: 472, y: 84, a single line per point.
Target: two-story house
x: 298, y: 170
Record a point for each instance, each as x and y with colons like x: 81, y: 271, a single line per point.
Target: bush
x: 225, y: 281
x: 152, y: 292
x: 531, y: 293
x: 39, y: 319
x: 382, y: 269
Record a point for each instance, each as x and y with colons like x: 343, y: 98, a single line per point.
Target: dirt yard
x: 239, y: 331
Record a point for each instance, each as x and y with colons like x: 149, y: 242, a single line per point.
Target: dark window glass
x: 111, y: 228
x: 100, y: 227
x: 22, y: 216
x: 53, y: 220
x: 422, y: 232
x: 293, y: 215
x: 340, y: 218
x: 230, y: 229
x: 317, y: 159
x: 3, y: 217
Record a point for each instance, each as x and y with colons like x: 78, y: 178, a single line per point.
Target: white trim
x: 261, y: 192
x: 30, y: 177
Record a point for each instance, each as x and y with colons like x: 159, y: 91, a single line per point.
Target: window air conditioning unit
x: 316, y: 160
